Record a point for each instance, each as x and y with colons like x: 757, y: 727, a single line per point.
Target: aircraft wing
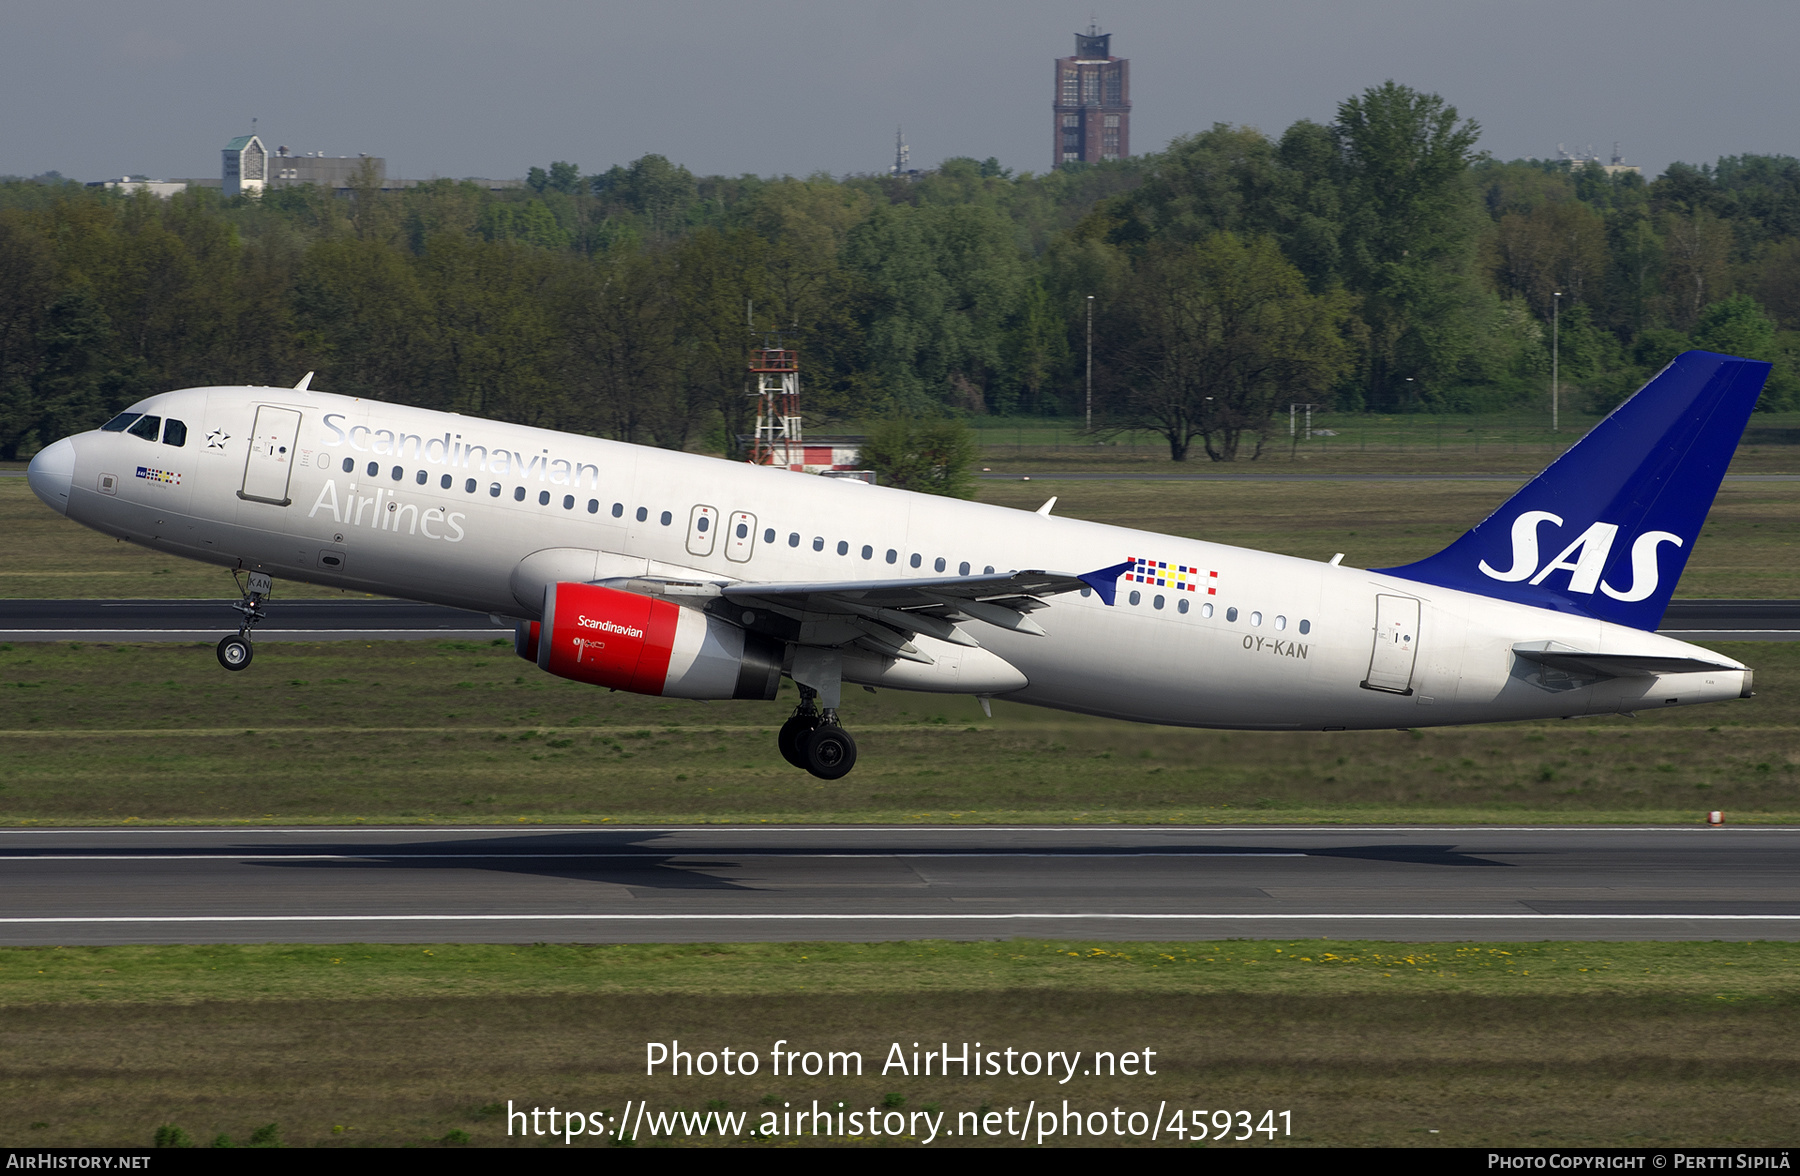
x: 928, y: 593
x: 884, y: 615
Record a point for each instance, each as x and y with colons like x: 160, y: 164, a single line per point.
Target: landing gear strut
x: 235, y: 650
x: 813, y: 740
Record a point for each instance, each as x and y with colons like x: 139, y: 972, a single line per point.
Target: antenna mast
x: 775, y: 380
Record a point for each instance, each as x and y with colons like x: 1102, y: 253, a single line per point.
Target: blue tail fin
x: 1607, y: 529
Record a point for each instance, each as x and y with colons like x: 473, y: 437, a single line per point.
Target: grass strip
x: 1364, y: 1043
x: 461, y: 732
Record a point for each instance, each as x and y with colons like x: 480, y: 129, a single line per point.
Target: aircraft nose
x: 52, y: 472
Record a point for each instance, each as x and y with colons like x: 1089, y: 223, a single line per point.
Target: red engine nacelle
x: 650, y: 646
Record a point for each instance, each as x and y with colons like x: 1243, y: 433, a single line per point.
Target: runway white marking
x: 642, y: 855
x: 852, y: 830
x: 868, y: 918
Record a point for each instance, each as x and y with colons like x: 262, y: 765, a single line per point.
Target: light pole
x: 1555, y: 357
x: 1090, y: 363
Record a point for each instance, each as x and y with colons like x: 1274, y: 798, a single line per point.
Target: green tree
x: 1409, y: 232
x: 1226, y: 334
x: 930, y: 456
x: 1736, y: 326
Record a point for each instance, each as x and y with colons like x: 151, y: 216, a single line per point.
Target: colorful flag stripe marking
x: 1158, y: 573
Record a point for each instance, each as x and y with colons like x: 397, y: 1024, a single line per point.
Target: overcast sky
x: 98, y: 88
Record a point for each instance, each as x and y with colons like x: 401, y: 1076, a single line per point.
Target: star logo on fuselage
x: 217, y: 438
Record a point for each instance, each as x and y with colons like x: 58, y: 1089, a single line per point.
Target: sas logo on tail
x: 1584, y: 559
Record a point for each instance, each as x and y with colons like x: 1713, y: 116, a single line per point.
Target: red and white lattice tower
x: 775, y: 382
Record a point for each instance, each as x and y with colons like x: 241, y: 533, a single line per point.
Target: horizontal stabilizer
x: 1612, y: 665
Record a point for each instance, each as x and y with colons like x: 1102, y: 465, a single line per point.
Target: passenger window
x: 702, y: 523
x: 1206, y: 610
x: 843, y: 547
x: 769, y: 537
x: 494, y: 490
x: 593, y: 506
x: 174, y: 433
x: 743, y: 531
x: 469, y: 486
x: 1158, y: 602
x: 794, y: 539
x: 642, y: 514
x: 119, y: 423
x: 397, y: 474
x: 1256, y: 618
x: 962, y: 569
x: 1086, y: 592
x: 1280, y: 624
x: 518, y: 494
x: 349, y: 465
x: 1231, y: 613
x: 444, y: 482
x: 1305, y: 628
x: 421, y: 477
x: 914, y: 561
x: 544, y: 498
x: 988, y: 571
x: 147, y: 427
x: 1181, y: 606
x: 818, y: 542
x: 568, y: 502
x: 618, y: 509
x: 667, y: 518
x: 374, y: 470
x: 1136, y: 596
x: 939, y: 565
x: 892, y: 555
x: 868, y: 552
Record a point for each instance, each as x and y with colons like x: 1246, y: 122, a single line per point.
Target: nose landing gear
x: 235, y: 650
x: 813, y: 740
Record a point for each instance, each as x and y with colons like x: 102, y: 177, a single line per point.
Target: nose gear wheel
x: 235, y: 651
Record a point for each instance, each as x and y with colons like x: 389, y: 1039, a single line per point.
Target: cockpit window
x: 174, y: 433
x: 147, y: 427
x: 120, y: 423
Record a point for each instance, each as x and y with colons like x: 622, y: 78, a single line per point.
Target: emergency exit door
x: 271, y: 458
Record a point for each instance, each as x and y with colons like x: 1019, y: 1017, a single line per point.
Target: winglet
x: 1105, y: 581
x: 305, y: 383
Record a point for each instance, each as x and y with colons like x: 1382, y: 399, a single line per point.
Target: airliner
x: 685, y: 576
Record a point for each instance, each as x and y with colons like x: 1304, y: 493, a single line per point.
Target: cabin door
x: 271, y: 457
x: 1396, y: 645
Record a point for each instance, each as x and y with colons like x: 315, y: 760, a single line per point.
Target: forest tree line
x: 1375, y: 262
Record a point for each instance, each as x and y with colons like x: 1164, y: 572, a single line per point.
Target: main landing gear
x: 235, y: 650
x: 812, y: 739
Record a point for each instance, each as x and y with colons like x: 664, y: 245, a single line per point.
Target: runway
x: 400, y: 620
x: 713, y: 883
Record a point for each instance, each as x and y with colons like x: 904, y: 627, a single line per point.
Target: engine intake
x: 627, y: 641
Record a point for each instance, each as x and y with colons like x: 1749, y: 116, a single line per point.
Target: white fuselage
x: 456, y: 504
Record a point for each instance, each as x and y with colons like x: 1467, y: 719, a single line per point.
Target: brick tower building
x: 1093, y: 102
